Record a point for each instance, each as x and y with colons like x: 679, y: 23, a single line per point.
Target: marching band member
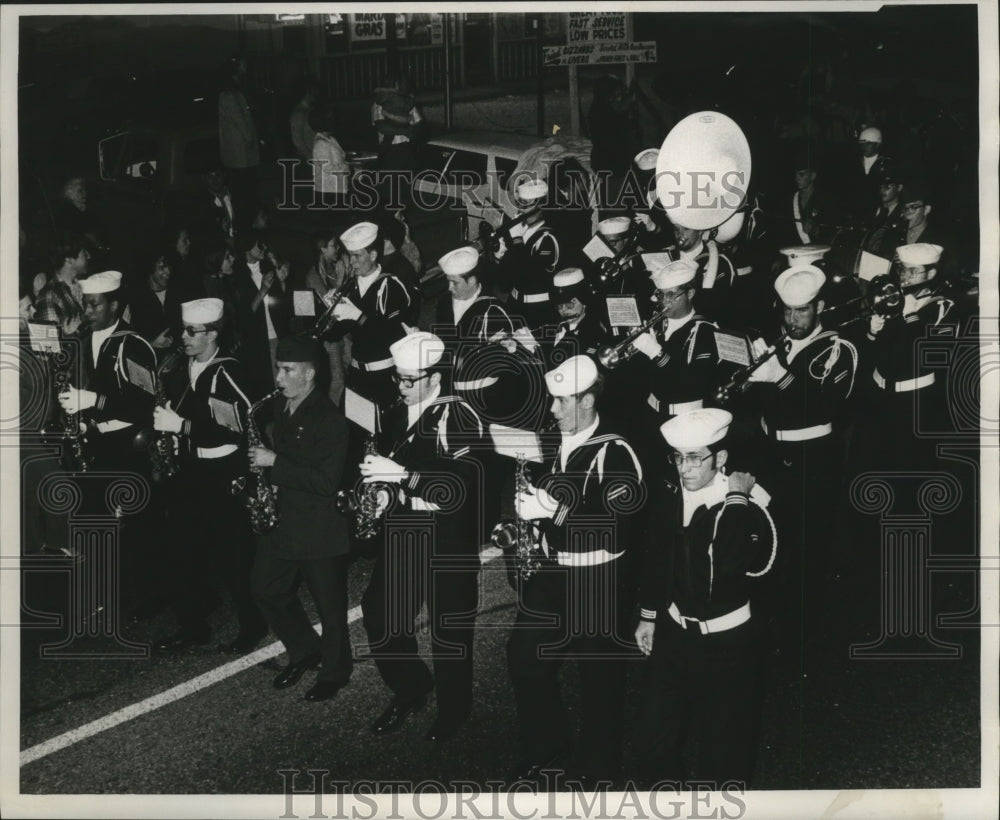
x: 432, y: 471
x: 372, y: 311
x: 577, y: 602
x: 533, y: 256
x: 115, y: 359
x: 716, y: 273
x: 310, y: 541
x: 651, y: 217
x: 580, y: 331
x: 707, y: 541
x: 803, y: 391
x: 208, y: 525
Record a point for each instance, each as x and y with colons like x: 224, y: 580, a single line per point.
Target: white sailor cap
x: 696, y: 428
x: 920, y: 253
x: 201, y: 311
x: 104, y: 282
x: 805, y: 254
x: 532, y: 190
x: 646, y: 160
x: 416, y: 351
x: 870, y: 135
x: 573, y: 376
x: 359, y: 236
x: 675, y: 274
x: 459, y: 261
x: 799, y: 285
x: 614, y: 226
x: 568, y: 283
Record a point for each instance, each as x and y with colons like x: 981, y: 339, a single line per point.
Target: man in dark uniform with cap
x: 310, y: 542
x: 430, y: 491
x: 708, y: 539
x: 887, y: 227
x: 210, y: 529
x: 576, y: 601
x: 581, y: 330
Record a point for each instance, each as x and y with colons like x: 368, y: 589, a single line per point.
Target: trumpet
x: 740, y: 380
x: 489, y: 237
x: 331, y: 300
x: 610, y: 356
x: 610, y: 268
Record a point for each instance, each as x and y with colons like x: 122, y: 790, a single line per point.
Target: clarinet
x: 164, y: 447
x: 72, y: 433
x: 262, y: 499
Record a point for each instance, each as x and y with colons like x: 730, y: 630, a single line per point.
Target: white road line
x: 182, y: 690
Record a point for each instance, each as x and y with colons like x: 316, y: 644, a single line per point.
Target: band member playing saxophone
x: 310, y: 542
x: 431, y: 547
x: 208, y: 526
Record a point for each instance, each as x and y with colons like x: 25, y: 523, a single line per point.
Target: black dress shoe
x: 242, y: 644
x: 324, y: 690
x: 392, y: 718
x: 293, y: 673
x: 184, y: 639
x: 444, y: 728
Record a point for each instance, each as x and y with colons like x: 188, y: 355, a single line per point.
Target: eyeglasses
x: 913, y: 206
x: 191, y: 331
x: 690, y: 460
x: 408, y: 381
x: 669, y: 296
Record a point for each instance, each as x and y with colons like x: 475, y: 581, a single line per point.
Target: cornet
x: 611, y: 356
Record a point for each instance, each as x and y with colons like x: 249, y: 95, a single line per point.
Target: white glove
x: 166, y: 420
x: 875, y: 324
x: 346, y: 311
x: 758, y: 347
x: 771, y: 371
x: 501, y: 252
x: 646, y: 221
x: 523, y: 336
x: 534, y: 504
x: 380, y: 468
x: 648, y: 346
x: 74, y: 400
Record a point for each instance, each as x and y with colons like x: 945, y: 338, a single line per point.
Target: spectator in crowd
x: 302, y: 131
x: 612, y: 123
x: 239, y: 145
x: 154, y: 306
x: 60, y: 300
x: 215, y: 208
x: 398, y: 124
x: 325, y: 277
x: 331, y: 173
x: 73, y: 215
x: 218, y: 281
x: 184, y: 263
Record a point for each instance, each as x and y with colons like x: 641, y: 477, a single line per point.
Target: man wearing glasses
x: 432, y: 488
x: 680, y: 354
x: 922, y: 227
x: 708, y: 540
x: 210, y: 529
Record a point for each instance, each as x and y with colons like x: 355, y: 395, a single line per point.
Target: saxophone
x: 364, y: 504
x: 163, y: 448
x: 261, y: 499
x: 71, y: 431
x: 518, y: 536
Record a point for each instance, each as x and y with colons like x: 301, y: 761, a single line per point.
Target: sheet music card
x: 597, y: 248
x: 623, y: 311
x: 304, y: 302
x: 360, y: 410
x: 225, y: 414
x: 44, y: 337
x: 870, y: 266
x: 140, y: 376
x: 514, y: 443
x: 732, y: 348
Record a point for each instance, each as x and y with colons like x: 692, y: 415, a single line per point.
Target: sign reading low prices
x: 601, y: 27
x: 600, y: 53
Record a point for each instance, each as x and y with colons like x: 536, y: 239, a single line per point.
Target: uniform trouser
x: 276, y: 582
x: 705, y: 688
x: 803, y: 478
x: 409, y: 570
x: 575, y: 613
x: 40, y: 526
x: 210, y: 540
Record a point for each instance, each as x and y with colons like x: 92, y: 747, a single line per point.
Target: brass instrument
x: 163, y: 448
x: 262, y: 499
x: 489, y: 237
x: 72, y: 433
x: 740, y: 380
x: 368, y: 504
x: 610, y: 356
x: 517, y: 536
x: 610, y: 268
x: 327, y: 320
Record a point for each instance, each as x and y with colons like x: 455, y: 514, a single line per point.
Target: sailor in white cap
x: 804, y: 394
x: 580, y: 329
x: 716, y: 273
x: 120, y: 367
x: 530, y: 257
x: 681, y: 348
x: 579, y: 581
x: 433, y: 472
x: 709, y: 539
x: 372, y: 308
x: 207, y: 411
